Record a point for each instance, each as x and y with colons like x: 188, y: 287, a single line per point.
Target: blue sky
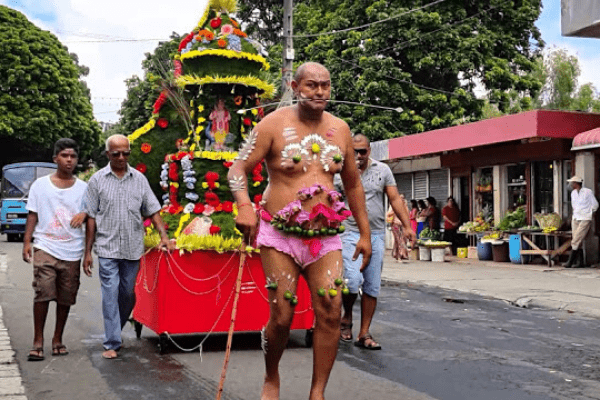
x: 80, y: 24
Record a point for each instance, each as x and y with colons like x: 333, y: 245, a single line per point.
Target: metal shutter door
x: 404, y: 182
x: 438, y: 185
x: 420, y: 185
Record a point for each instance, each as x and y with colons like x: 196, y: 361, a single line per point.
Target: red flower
x: 173, y: 198
x: 222, y: 43
x: 227, y: 206
x: 198, y: 208
x: 258, y: 178
x: 228, y: 164
x: 162, y: 122
x: 141, y: 167
x: 247, y: 121
x: 173, y: 175
x: 146, y: 147
x: 172, y: 189
x: 257, y: 169
x: 212, y: 199
x: 185, y: 41
x: 211, y: 176
x: 175, y: 209
x: 214, y: 229
x: 178, y: 68
x: 215, y: 23
x: 258, y: 198
x: 162, y: 99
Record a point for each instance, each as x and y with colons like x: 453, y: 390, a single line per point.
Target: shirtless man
x: 298, y: 226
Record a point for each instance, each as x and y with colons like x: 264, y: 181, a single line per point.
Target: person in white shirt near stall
x: 584, y: 205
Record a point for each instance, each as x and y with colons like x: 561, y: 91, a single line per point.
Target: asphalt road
x: 437, y: 345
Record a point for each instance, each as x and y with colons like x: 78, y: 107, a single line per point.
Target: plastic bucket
x: 484, y: 251
x: 424, y: 254
x: 500, y: 252
x: 438, y: 255
x: 462, y: 252
x: 515, y: 244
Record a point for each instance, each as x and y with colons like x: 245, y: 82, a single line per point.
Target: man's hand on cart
x: 166, y: 244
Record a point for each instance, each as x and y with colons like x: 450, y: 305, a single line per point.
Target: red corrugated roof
x: 527, y: 125
x: 587, y: 140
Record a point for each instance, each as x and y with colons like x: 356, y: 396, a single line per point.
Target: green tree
x: 427, y: 62
x: 561, y: 90
x: 142, y: 93
x: 41, y: 96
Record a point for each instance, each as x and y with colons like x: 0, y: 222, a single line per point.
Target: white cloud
x: 78, y: 23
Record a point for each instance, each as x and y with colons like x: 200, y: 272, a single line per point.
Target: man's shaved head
x: 302, y: 70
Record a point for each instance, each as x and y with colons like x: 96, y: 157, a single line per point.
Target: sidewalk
x: 11, y: 387
x: 575, y: 290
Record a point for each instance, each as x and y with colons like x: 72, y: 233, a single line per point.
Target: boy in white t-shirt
x: 55, y: 222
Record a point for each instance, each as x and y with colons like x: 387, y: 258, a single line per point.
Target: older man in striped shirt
x: 118, y: 197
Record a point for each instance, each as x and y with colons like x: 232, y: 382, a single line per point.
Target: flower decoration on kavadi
x: 204, y: 112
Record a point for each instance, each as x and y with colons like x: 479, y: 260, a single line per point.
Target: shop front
x: 495, y: 166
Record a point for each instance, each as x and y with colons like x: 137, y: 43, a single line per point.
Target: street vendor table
x: 553, y: 248
x: 193, y: 293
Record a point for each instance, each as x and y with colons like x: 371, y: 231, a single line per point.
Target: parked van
x: 16, y: 180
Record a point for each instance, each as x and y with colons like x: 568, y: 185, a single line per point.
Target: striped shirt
x: 118, y: 205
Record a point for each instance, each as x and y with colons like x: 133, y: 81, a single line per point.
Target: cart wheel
x: 163, y: 343
x: 308, y: 338
x: 138, y: 328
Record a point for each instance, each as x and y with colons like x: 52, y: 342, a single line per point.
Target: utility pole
x: 288, y: 46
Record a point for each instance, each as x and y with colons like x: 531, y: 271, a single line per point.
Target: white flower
x: 292, y: 154
x: 188, y: 208
x: 331, y: 155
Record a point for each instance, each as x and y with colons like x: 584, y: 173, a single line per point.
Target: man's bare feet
x: 270, y: 390
x: 110, y: 354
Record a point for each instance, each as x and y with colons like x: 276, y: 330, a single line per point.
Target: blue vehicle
x: 16, y: 181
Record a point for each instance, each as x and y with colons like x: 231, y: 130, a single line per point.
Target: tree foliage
x: 142, y: 92
x: 41, y: 96
x: 427, y: 62
x: 561, y: 90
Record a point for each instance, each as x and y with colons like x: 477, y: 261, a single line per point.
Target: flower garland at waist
x: 320, y: 221
x: 227, y: 53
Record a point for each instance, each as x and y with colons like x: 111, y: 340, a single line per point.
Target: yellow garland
x: 267, y: 88
x: 196, y: 242
x: 152, y: 240
x: 199, y: 128
x: 200, y: 108
x: 216, y: 155
x: 204, y: 17
x: 228, y: 54
x: 142, y: 131
x: 182, y: 221
x: 208, y: 242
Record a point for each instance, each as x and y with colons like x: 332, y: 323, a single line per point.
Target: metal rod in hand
x: 238, y: 285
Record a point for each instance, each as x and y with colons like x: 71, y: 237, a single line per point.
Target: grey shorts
x: 55, y: 279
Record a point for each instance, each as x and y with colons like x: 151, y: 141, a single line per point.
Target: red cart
x: 193, y: 293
